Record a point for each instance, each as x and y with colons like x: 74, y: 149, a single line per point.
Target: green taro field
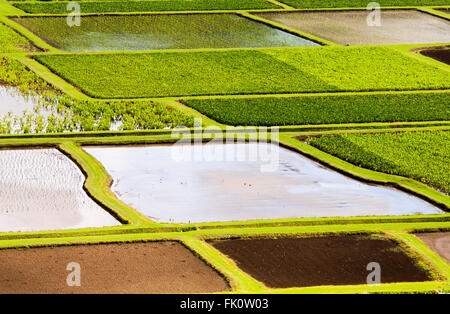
x: 137, y: 72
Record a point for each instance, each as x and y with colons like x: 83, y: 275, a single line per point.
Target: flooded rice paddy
x: 42, y: 189
x: 184, y: 184
x: 154, y: 32
x: 352, y: 27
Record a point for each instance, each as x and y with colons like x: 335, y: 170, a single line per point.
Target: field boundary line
x: 431, y: 257
x: 288, y: 29
x: 55, y: 80
x: 406, y: 184
x: 97, y: 186
x: 434, y: 12
x: 281, y: 4
x: 34, y: 39
x: 238, y: 279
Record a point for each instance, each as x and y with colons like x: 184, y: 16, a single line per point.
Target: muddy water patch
x: 442, y: 55
x: 169, y: 189
x: 42, y: 189
x: 351, y: 27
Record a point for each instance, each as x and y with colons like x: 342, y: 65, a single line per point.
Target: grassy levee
x: 35, y: 40
x: 97, y: 186
x: 239, y: 280
x: 426, y: 253
x: 367, y: 175
x: 435, y: 12
x: 60, y: 7
x: 361, y: 4
x: 98, y: 180
x: 51, y: 78
x: 8, y: 9
x: 288, y: 29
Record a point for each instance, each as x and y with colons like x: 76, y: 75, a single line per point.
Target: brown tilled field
x: 159, y: 267
x: 328, y: 260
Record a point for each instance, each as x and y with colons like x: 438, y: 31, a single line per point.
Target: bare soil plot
x: 351, y: 27
x: 438, y: 242
x: 159, y: 31
x: 159, y: 267
x: 442, y: 55
x: 42, y: 189
x: 314, y: 261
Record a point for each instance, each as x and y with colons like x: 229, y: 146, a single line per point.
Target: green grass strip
x: 60, y: 7
x: 314, y: 4
x: 423, y: 156
x: 404, y: 183
x: 273, y: 111
x: 239, y: 280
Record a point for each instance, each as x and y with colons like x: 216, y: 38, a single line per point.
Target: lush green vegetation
x: 423, y: 156
x: 364, y: 68
x: 11, y: 41
x: 60, y: 7
x: 272, y: 111
x: 160, y: 31
x: 268, y: 71
x: 307, y: 4
x: 175, y: 74
x: 55, y: 112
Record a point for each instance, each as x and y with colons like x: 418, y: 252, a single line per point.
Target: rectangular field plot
x: 41, y: 189
x: 153, y: 32
x: 423, y: 156
x: 324, y: 260
x: 271, y: 71
x: 273, y: 111
x: 439, y: 242
x: 351, y: 27
x: 11, y: 41
x: 60, y: 7
x: 315, y: 4
x: 223, y: 182
x: 155, y: 267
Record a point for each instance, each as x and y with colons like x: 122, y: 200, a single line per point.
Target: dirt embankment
x: 160, y: 267
x: 330, y: 260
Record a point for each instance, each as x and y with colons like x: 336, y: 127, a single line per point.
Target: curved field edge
x: 422, y: 156
x: 127, y: 81
x: 243, y: 283
x: 405, y: 184
x: 98, y: 181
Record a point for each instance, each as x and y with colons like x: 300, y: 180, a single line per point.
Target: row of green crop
x: 267, y: 71
x: 278, y: 111
x: 11, y: 41
x: 423, y: 156
x: 55, y: 112
x: 61, y: 7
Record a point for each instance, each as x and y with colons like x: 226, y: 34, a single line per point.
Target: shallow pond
x: 277, y: 183
x: 160, y: 31
x: 352, y: 28
x: 11, y: 100
x: 42, y: 189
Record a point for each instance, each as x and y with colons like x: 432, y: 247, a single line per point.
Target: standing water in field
x: 168, y: 189
x: 41, y: 189
x: 160, y: 31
